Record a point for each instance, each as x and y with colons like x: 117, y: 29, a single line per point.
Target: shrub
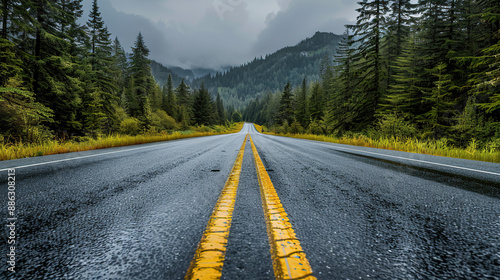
x: 236, y: 117
x: 315, y: 128
x: 162, y: 121
x: 392, y: 125
x: 296, y: 128
x: 130, y: 126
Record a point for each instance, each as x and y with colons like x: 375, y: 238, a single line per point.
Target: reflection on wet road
x: 141, y: 213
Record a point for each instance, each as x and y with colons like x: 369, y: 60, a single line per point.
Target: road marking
x: 289, y: 260
x: 403, y: 158
x: 418, y: 160
x: 209, y: 257
x: 82, y: 157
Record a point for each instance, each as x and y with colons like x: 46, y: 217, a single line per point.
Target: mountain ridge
x: 239, y: 85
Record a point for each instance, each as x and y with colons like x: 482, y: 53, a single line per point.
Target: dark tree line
x: 240, y: 84
x: 427, y: 70
x: 59, y: 78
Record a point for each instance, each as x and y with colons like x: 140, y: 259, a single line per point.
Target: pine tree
x: 486, y: 64
x: 221, y: 114
x: 401, y: 17
x: 404, y: 97
x: 98, y: 32
x: 119, y: 67
x: 326, y: 74
x: 184, y: 111
x: 102, y: 88
x: 202, y: 107
x: 438, y: 117
x: 345, y: 87
x: 119, y: 56
x: 301, y: 106
x: 432, y: 40
x: 169, y: 99
x: 56, y: 75
x: 16, y: 101
x: 368, y: 32
x: 143, y: 82
x: 15, y: 18
x: 183, y: 94
x: 285, y: 112
x: 316, y: 102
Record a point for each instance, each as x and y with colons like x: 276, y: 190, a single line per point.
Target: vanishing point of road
x: 252, y: 206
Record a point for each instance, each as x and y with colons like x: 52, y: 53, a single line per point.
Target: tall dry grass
x: 437, y: 148
x: 23, y: 150
x: 258, y: 127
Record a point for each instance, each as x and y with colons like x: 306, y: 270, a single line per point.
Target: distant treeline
x: 60, y: 79
x: 239, y: 85
x: 429, y: 70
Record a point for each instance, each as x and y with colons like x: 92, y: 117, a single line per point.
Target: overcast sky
x: 215, y: 33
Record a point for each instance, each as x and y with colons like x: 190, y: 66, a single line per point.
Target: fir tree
x: 438, y: 117
x: 202, y: 107
x: 143, y: 82
x: 183, y: 97
x: 101, y: 92
x: 285, y: 112
x: 183, y: 94
x: 368, y: 32
x: 401, y: 17
x: 220, y: 110
x: 169, y: 100
x: 119, y: 67
x: 316, y: 102
x: 16, y: 18
x: 56, y: 75
x: 301, y: 105
x: 404, y: 97
x: 340, y: 111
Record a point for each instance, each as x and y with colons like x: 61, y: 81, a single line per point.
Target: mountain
x: 160, y: 73
x: 187, y: 74
x: 240, y: 85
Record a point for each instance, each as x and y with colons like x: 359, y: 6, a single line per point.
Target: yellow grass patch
x: 429, y: 147
x: 23, y: 150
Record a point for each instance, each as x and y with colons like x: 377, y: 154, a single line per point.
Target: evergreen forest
x: 427, y: 70
x: 63, y: 80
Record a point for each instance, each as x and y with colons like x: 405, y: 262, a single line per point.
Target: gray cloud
x: 301, y: 20
x: 127, y: 26
x: 200, y: 33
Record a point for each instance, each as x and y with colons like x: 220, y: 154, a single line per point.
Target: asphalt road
x: 139, y: 212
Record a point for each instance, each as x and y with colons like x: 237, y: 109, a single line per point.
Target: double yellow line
x: 289, y: 260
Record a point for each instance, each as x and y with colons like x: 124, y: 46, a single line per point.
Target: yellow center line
x: 290, y: 262
x: 209, y: 257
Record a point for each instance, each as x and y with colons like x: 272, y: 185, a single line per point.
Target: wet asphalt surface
x: 139, y: 212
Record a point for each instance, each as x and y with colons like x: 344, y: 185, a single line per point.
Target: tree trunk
x: 38, y: 47
x: 5, y: 13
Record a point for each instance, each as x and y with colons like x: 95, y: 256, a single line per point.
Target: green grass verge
x: 22, y: 150
x: 437, y: 148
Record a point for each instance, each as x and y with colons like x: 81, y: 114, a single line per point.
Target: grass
x: 258, y: 127
x: 429, y: 147
x: 23, y: 150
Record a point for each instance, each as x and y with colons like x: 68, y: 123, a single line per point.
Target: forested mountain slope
x: 241, y: 84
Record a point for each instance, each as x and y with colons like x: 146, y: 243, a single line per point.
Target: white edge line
x: 75, y: 158
x: 418, y: 160
x: 89, y: 156
x: 409, y: 159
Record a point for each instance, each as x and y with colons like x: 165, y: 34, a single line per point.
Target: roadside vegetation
x: 67, y: 86
x: 489, y: 153
x: 419, y: 77
x: 10, y: 151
